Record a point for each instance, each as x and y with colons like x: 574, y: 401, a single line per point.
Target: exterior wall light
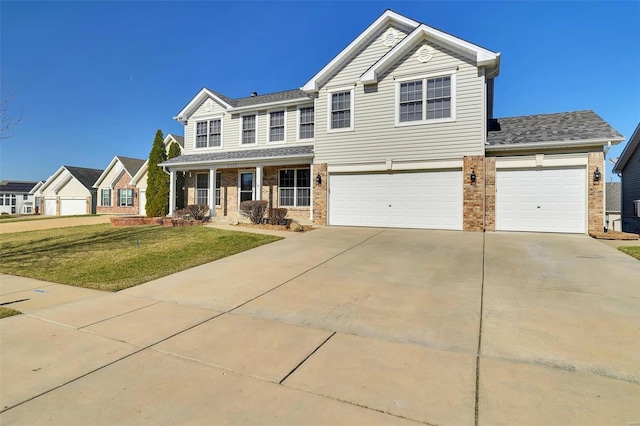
x: 319, y: 179
x: 597, y: 175
x: 473, y: 177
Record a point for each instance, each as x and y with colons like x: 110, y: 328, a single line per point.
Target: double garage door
x: 430, y: 200
x: 541, y: 200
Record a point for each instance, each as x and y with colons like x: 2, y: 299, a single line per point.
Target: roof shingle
x: 262, y: 99
x: 131, y: 165
x: 559, y: 127
x: 17, y: 186
x: 267, y: 153
x: 87, y: 177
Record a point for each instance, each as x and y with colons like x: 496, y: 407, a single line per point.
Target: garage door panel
x: 404, y: 200
x: 541, y: 200
x: 70, y: 207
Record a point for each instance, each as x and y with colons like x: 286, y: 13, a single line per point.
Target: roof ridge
x: 546, y: 113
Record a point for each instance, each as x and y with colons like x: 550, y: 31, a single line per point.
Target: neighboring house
x: 139, y: 179
x: 116, y: 195
x: 612, y: 214
x: 69, y: 191
x: 16, y: 198
x: 628, y: 166
x: 397, y: 131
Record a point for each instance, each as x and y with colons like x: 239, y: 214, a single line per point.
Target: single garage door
x: 430, y: 200
x: 72, y: 207
x: 50, y: 207
x: 541, y: 200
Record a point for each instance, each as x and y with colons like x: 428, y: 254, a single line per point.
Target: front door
x: 247, y: 187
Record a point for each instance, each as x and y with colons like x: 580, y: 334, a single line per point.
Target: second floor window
x: 125, y: 197
x: 276, y: 126
x: 341, y: 110
x: 209, y: 133
x: 426, y: 99
x: 307, y: 121
x: 105, y: 197
x: 248, y: 129
x: 439, y: 97
x: 411, y: 101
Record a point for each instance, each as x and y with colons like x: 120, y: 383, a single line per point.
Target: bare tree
x: 8, y: 119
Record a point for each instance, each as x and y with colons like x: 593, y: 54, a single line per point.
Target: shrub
x: 277, y: 216
x: 254, y: 210
x: 197, y: 211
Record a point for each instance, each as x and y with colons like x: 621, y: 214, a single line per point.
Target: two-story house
x: 397, y: 131
x: 16, y: 197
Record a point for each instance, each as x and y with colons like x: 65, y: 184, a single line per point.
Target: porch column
x: 212, y: 191
x: 313, y: 183
x: 258, y: 182
x: 172, y: 191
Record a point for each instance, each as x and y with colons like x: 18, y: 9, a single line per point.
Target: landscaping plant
x: 157, y: 180
x: 197, y: 211
x: 277, y: 216
x: 254, y: 210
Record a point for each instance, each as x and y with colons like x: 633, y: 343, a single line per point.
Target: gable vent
x: 424, y: 54
x: 390, y: 37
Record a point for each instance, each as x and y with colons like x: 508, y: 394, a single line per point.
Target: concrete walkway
x: 344, y: 326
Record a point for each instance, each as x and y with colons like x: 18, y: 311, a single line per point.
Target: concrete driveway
x: 345, y: 326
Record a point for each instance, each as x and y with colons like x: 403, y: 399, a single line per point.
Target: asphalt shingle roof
x: 263, y: 99
x: 559, y: 127
x: 16, y: 186
x: 613, y: 193
x: 178, y: 139
x: 131, y: 165
x: 87, y: 177
x: 242, y: 155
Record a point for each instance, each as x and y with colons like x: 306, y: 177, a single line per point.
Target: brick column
x: 596, y: 193
x: 320, y: 194
x: 490, y: 194
x: 473, y: 193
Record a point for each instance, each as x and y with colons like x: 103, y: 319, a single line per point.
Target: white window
x: 294, y: 187
x: 105, y: 198
x: 426, y: 100
x: 340, y: 109
x: 202, y: 188
x: 8, y: 199
x: 125, y: 197
x: 28, y: 209
x: 248, y: 129
x: 25, y: 196
x: 209, y: 133
x: 218, y: 186
x: 277, y: 120
x: 306, y: 119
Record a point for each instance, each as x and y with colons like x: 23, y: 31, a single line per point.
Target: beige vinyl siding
x: 201, y: 114
x: 376, y: 137
x: 142, y: 183
x: 113, y: 173
x: 73, y: 188
x: 630, y: 192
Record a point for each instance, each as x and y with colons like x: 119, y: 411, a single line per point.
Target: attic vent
x: 390, y: 37
x: 424, y: 54
x: 208, y: 105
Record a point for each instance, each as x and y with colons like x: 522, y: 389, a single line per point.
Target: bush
x: 254, y: 210
x: 197, y: 211
x: 277, y: 216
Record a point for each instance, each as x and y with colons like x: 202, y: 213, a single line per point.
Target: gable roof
x: 482, y: 56
x: 245, y: 154
x: 354, y: 47
x: 613, y: 195
x: 178, y: 139
x: 17, y: 186
x: 631, y: 147
x: 239, y: 104
x: 129, y: 165
x: 85, y: 176
x: 576, y: 128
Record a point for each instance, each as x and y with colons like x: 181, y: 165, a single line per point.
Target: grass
x: 12, y: 218
x: 633, y: 251
x: 106, y: 258
x: 7, y: 312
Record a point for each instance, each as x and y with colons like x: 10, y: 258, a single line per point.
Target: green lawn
x: 107, y: 258
x: 631, y: 251
x: 8, y: 312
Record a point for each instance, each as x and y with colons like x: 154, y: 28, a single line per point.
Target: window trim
x: 208, y: 120
x: 217, y: 195
x: 330, y: 93
x: 295, y: 187
x: 196, y: 188
x: 424, y: 78
x: 133, y: 196
x: 269, y: 112
x: 298, y: 123
x: 102, y: 197
x: 255, y: 142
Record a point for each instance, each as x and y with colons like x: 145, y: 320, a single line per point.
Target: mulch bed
x: 304, y: 228
x: 614, y: 235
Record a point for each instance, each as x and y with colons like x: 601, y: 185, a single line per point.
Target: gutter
x: 238, y: 160
x: 554, y: 144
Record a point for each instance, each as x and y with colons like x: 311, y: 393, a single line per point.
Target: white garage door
x: 72, y: 207
x: 541, y: 200
x: 50, y: 207
x: 431, y: 200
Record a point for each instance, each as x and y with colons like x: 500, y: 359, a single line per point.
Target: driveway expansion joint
x: 307, y: 357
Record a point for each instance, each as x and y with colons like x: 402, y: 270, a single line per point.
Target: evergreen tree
x: 157, y: 180
x: 174, y: 151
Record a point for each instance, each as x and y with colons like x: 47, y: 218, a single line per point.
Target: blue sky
x: 97, y: 79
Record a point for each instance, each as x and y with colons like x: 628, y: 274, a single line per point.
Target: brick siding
x: 473, y: 202
x: 596, y: 192
x: 490, y: 194
x: 123, y: 183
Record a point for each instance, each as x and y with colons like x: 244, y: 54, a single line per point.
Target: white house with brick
x: 397, y: 130
x: 16, y: 197
x: 116, y: 194
x: 69, y: 191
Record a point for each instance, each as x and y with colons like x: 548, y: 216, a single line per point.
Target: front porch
x: 283, y: 181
